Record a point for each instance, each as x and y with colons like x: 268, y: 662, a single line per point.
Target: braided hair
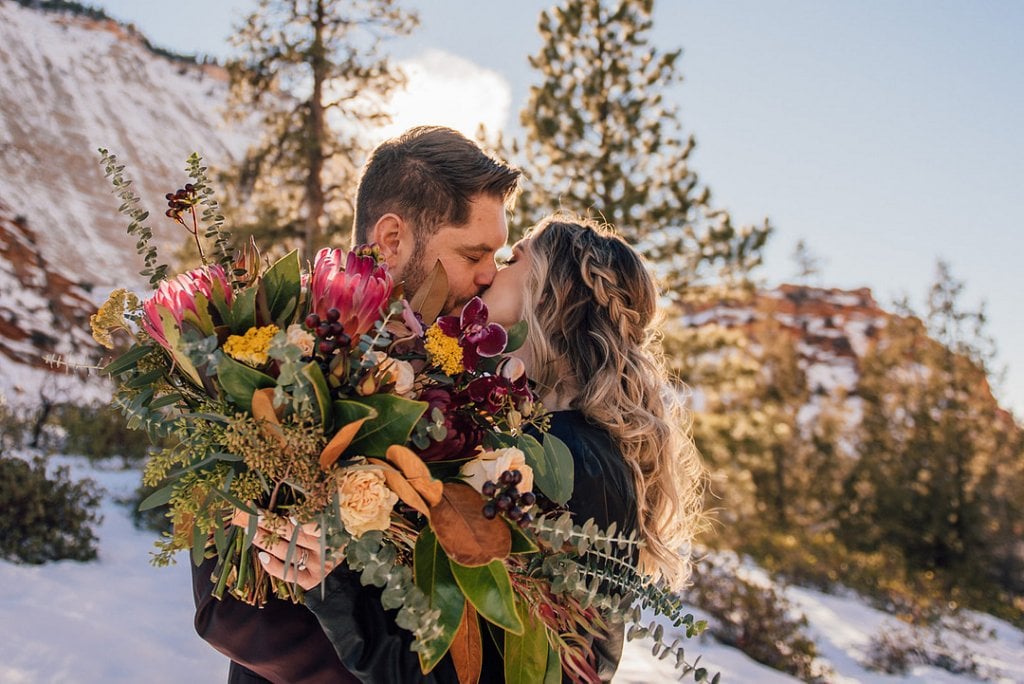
x: 591, y: 305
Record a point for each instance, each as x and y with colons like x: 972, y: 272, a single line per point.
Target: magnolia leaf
x: 489, y: 589
x: 240, y: 381
x: 263, y: 410
x: 393, y: 423
x: 434, y: 577
x: 280, y: 288
x: 242, y: 314
x: 526, y: 654
x: 312, y: 372
x: 552, y: 466
x: 521, y: 543
x: 467, y: 648
x: 432, y: 295
x: 553, y: 675
x: 397, y: 483
x: 341, y: 440
x: 516, y: 336
x: 467, y: 536
x: 128, y: 360
x: 417, y: 473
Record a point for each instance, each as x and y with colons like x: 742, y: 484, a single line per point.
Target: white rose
x: 489, y: 465
x: 301, y: 339
x: 366, y: 501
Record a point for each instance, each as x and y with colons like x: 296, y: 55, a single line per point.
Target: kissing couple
x: 431, y: 195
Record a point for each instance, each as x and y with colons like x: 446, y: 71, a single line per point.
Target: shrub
x: 755, y: 619
x: 895, y: 651
x: 44, y: 518
x: 97, y: 432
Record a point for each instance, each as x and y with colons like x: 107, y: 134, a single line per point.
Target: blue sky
x: 886, y: 135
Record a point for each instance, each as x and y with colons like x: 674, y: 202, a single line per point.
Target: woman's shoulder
x: 603, y: 483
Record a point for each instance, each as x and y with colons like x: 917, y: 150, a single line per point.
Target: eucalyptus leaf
x: 516, y: 336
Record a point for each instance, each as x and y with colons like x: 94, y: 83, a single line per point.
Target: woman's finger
x: 307, y: 577
x: 309, y: 534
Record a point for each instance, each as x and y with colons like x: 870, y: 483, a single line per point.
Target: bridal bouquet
x: 413, y: 445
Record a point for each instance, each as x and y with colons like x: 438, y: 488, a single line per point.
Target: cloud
x: 448, y: 90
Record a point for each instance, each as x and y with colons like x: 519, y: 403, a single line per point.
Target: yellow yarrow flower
x: 251, y: 348
x: 111, y: 316
x: 444, y: 351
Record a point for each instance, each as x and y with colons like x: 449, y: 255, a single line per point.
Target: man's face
x: 467, y: 253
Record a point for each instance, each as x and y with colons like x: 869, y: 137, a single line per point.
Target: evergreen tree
x: 939, y: 475
x: 312, y: 73
x: 601, y: 139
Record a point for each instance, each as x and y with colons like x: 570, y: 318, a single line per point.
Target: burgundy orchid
x: 178, y: 296
x: 478, y: 338
x: 358, y: 291
x: 462, y: 435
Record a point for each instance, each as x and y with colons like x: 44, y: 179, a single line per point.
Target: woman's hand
x: 307, y: 568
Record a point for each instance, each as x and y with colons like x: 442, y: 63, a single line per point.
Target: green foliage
x: 211, y: 216
x: 314, y: 75
x: 601, y: 139
x: 939, y: 474
x: 98, y: 432
x: 137, y: 227
x: 45, y: 517
x: 753, y: 618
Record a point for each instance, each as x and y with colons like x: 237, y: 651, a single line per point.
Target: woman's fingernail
x: 264, y: 557
x: 259, y: 520
x: 293, y: 520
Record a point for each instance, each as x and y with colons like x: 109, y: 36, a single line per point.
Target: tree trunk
x: 315, y: 140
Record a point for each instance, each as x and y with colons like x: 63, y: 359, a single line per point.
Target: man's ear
x: 390, y: 233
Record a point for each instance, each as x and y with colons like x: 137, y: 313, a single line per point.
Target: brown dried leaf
x: 416, y: 472
x: 397, y: 483
x: 464, y: 533
x: 431, y: 297
x: 467, y: 649
x: 263, y: 410
x: 340, y: 442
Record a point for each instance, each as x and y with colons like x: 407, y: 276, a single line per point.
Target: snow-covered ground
x: 120, y: 620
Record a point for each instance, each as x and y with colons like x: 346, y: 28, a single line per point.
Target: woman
x: 591, y: 307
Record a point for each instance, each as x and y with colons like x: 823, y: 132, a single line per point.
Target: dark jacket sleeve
x: 603, y: 490
x: 367, y: 640
x: 281, y: 642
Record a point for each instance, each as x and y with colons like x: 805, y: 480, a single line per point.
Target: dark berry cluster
x: 330, y: 334
x: 506, y: 498
x: 182, y: 200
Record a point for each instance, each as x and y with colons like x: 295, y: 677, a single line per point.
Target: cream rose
x: 489, y: 465
x: 301, y: 339
x: 397, y: 371
x: 366, y: 501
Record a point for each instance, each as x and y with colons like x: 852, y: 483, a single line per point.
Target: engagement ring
x: 301, y: 565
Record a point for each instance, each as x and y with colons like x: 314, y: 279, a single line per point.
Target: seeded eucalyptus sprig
x: 211, y: 216
x: 137, y: 228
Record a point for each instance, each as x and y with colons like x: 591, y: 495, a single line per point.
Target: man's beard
x: 415, y: 278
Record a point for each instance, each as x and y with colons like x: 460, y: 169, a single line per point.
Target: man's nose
x: 485, y: 274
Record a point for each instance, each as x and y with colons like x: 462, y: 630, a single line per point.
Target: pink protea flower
x: 178, y: 296
x: 476, y: 336
x: 358, y: 291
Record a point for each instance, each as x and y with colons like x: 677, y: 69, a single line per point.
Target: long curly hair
x: 591, y: 305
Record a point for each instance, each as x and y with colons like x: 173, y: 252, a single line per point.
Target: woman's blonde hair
x: 591, y: 305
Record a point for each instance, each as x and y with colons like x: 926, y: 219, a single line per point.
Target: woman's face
x: 504, y: 298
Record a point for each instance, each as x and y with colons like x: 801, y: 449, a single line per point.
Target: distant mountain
x: 69, y: 84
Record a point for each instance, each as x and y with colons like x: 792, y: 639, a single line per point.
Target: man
x: 430, y: 195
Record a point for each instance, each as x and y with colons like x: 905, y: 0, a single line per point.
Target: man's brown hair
x: 428, y: 175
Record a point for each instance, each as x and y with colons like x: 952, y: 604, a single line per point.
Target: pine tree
x: 939, y: 473
x: 312, y: 73
x: 601, y: 139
